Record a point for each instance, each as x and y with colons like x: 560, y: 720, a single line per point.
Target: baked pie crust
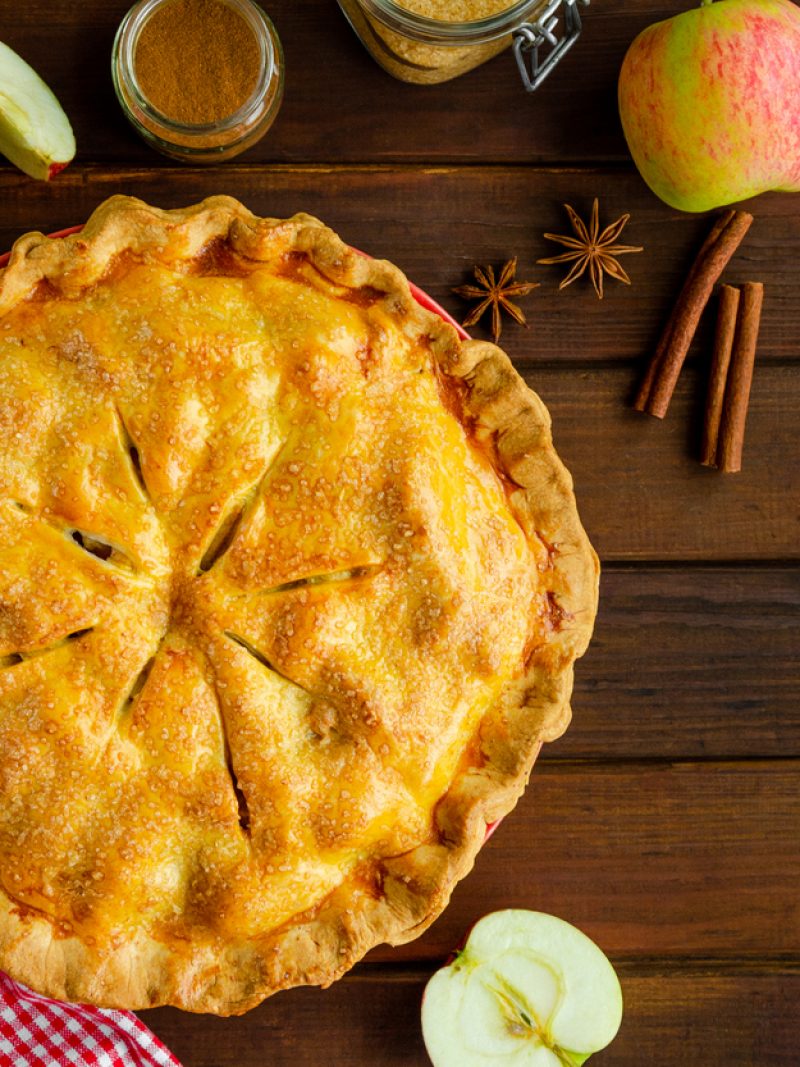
x: 291, y: 586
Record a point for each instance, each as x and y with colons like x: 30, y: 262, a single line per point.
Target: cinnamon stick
x: 740, y: 377
x: 714, y: 256
x: 718, y: 375
x: 666, y: 334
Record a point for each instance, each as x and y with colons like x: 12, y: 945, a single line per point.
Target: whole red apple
x: 710, y: 103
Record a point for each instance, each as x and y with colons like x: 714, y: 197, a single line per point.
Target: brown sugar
x: 197, y: 61
x: 418, y: 61
x: 456, y: 10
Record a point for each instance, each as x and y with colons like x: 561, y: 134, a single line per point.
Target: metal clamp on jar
x: 430, y: 41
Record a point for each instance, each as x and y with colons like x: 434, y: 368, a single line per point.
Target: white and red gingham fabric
x: 37, y: 1032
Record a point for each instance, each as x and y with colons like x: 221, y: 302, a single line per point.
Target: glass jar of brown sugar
x: 200, y: 80
x: 430, y: 41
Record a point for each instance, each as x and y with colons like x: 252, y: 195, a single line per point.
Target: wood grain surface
x: 340, y: 107
x: 666, y: 823
x: 437, y: 222
x: 654, y: 858
x: 373, y: 1018
x: 649, y: 687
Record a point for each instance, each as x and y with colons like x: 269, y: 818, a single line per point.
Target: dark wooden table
x: 666, y: 823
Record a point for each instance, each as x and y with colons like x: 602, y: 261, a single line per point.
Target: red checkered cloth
x: 37, y: 1032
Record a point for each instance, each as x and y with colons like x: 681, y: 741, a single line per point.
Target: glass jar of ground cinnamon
x: 200, y: 80
x: 431, y: 41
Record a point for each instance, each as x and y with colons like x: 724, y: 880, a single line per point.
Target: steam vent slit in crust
x: 291, y: 586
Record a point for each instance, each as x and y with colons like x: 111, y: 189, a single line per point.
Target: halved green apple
x: 527, y: 990
x: 35, y: 134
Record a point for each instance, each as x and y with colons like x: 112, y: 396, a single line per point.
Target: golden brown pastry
x: 291, y: 586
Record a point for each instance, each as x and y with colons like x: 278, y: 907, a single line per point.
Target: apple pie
x: 291, y: 587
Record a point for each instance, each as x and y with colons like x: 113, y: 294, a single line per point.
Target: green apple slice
x: 35, y: 134
x: 527, y: 990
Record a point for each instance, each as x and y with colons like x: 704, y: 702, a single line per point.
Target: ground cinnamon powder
x: 197, y: 61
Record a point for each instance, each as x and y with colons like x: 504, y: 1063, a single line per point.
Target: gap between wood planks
x: 611, y: 764
x: 114, y: 171
x: 623, y: 566
x: 739, y: 966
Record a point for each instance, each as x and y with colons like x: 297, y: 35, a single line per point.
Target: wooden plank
x: 700, y: 662
x: 655, y: 859
x: 650, y: 859
x: 641, y: 490
x: 340, y: 105
x: 643, y: 495
x: 713, y: 1019
x: 436, y: 223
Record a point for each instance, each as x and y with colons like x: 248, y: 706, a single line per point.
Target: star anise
x: 593, y: 249
x: 494, y: 293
